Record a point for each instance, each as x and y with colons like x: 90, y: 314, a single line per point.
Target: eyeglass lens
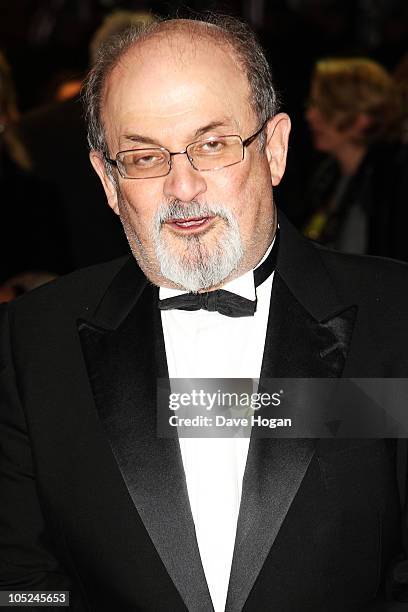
x: 203, y: 155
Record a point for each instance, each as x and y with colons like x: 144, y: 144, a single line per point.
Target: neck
x: 349, y: 158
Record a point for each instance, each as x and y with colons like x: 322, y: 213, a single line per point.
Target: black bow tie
x: 222, y: 301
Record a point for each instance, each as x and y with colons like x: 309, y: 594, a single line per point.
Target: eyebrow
x: 209, y: 127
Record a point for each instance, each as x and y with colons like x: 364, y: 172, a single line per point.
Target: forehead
x: 168, y: 85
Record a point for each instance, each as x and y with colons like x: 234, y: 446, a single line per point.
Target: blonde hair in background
x: 344, y: 88
x: 8, y: 115
x: 115, y: 23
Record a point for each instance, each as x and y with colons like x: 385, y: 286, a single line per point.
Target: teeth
x: 189, y: 223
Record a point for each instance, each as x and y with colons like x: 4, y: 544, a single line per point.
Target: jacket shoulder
x: 368, y: 278
x: 350, y: 265
x: 74, y: 294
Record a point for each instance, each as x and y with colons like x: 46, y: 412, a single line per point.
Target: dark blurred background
x: 45, y: 39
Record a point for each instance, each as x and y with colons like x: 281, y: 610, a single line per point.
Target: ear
x: 276, y: 147
x: 107, y: 181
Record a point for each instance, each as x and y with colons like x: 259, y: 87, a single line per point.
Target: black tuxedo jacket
x: 94, y: 502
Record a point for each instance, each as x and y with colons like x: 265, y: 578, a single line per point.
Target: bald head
x: 161, y: 82
x: 179, y: 38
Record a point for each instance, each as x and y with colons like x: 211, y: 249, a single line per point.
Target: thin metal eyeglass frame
x: 245, y: 143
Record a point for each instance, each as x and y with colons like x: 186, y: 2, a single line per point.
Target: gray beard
x: 196, y: 267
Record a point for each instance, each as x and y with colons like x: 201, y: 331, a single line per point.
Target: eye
x: 210, y: 147
x: 146, y: 160
x: 143, y: 159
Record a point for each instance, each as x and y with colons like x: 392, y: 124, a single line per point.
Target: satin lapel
x: 297, y: 345
x: 123, y: 365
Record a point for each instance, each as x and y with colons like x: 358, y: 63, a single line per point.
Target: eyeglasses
x: 204, y: 155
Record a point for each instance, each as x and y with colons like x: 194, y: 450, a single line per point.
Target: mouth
x: 190, y: 224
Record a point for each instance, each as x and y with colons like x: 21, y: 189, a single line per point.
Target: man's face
x: 191, y: 229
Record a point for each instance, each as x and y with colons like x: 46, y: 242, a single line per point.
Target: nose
x: 183, y: 182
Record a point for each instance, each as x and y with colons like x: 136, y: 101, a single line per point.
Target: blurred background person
x: 55, y: 137
x: 355, y: 202
x: 33, y: 243
x: 400, y: 75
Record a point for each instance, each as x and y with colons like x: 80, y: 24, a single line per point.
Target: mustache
x: 180, y: 210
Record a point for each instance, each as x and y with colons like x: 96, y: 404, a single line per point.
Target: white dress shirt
x: 202, y: 344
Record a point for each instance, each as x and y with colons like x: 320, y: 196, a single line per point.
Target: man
x: 188, y: 145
